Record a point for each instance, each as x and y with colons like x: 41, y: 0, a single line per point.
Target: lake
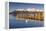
x: 13, y: 23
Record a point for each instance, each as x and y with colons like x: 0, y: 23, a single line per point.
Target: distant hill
x: 13, y: 13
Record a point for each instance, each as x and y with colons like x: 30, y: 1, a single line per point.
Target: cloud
x: 29, y: 9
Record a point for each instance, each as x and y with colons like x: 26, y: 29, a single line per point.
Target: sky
x: 15, y: 5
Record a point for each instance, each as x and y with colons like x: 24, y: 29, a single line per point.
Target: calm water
x: 13, y: 23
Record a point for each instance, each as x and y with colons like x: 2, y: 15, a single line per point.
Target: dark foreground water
x: 13, y: 23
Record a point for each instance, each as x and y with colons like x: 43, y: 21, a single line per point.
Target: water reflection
x: 13, y: 23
